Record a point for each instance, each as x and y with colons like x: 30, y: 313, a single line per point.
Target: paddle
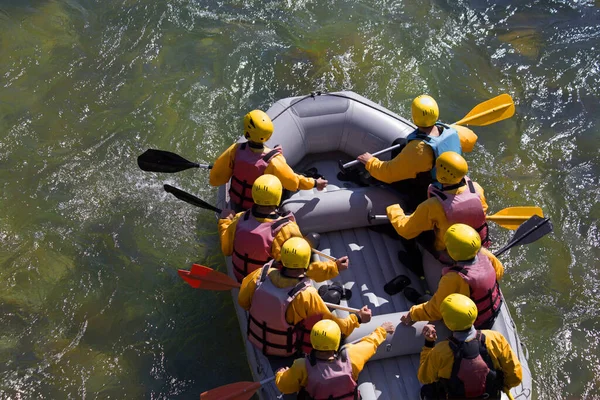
x: 153, y: 160
x: 202, y: 277
x: 195, y: 201
x: 189, y: 198
x: 530, y: 231
x: 509, y: 218
x: 488, y: 112
x: 235, y: 391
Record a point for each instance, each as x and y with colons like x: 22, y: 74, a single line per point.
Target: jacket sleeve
x: 248, y: 288
x: 223, y: 167
x: 414, y: 158
x: 289, y: 179
x: 362, y: 351
x: 293, y: 379
x: 308, y: 303
x: 435, y: 363
x: 430, y: 311
x: 321, y: 271
x: 287, y: 231
x: 481, y: 193
x: 498, y: 267
x: 411, y: 226
x: 227, y: 229
x: 504, y: 358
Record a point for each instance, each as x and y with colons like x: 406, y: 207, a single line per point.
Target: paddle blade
x: 153, y: 160
x: 201, y: 277
x: 533, y: 229
x: 190, y: 199
x: 488, y: 112
x: 513, y: 217
x: 233, y: 391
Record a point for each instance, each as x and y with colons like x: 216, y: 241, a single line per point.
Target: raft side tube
x: 405, y: 340
x: 340, y: 209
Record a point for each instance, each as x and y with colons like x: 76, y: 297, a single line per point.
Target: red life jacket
x: 252, y: 241
x: 247, y: 166
x: 485, y: 291
x: 330, y: 379
x: 463, y: 208
x: 268, y: 329
x: 473, y: 374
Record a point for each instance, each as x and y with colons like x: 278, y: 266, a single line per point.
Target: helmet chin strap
x: 254, y: 145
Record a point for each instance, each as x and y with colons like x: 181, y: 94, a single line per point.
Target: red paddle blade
x: 201, y: 277
x: 233, y: 391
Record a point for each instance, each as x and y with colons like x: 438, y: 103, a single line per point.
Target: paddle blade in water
x: 153, y: 160
x: 233, y: 391
x: 201, y: 277
x: 533, y: 229
x: 488, y: 112
x: 190, y: 198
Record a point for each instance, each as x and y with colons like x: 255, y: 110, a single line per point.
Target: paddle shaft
x: 343, y: 308
x: 324, y: 255
x: 473, y: 119
x: 355, y: 162
x: 488, y: 217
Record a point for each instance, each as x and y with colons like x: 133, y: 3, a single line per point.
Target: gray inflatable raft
x: 319, y: 131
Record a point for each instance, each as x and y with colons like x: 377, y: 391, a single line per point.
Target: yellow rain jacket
x: 318, y: 271
x: 429, y: 215
x: 296, y: 377
x: 223, y: 169
x: 436, y: 362
x: 450, y: 283
x: 306, y: 304
x: 414, y: 158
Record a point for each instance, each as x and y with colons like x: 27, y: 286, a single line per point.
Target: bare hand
x: 407, y: 320
x: 226, y: 213
x: 364, y: 158
x: 364, y: 314
x: 389, y: 327
x: 282, y: 370
x: 429, y: 333
x: 321, y: 183
x: 342, y: 263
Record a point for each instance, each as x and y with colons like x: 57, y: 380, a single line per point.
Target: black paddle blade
x: 164, y: 161
x: 190, y: 198
x: 531, y: 230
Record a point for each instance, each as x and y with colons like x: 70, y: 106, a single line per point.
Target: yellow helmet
x: 425, y: 111
x: 258, y: 127
x: 462, y: 242
x: 450, y: 168
x: 266, y: 190
x: 458, y: 312
x: 325, y: 335
x: 295, y: 253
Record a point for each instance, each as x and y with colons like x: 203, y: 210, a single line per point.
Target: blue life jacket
x: 447, y: 141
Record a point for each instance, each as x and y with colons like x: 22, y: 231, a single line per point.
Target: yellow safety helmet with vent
x: 258, y: 127
x: 425, y: 111
x: 266, y: 190
x: 462, y: 242
x: 450, y: 168
x: 295, y: 253
x: 325, y: 335
x: 458, y: 312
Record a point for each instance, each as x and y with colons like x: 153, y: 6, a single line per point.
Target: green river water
x: 90, y: 302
